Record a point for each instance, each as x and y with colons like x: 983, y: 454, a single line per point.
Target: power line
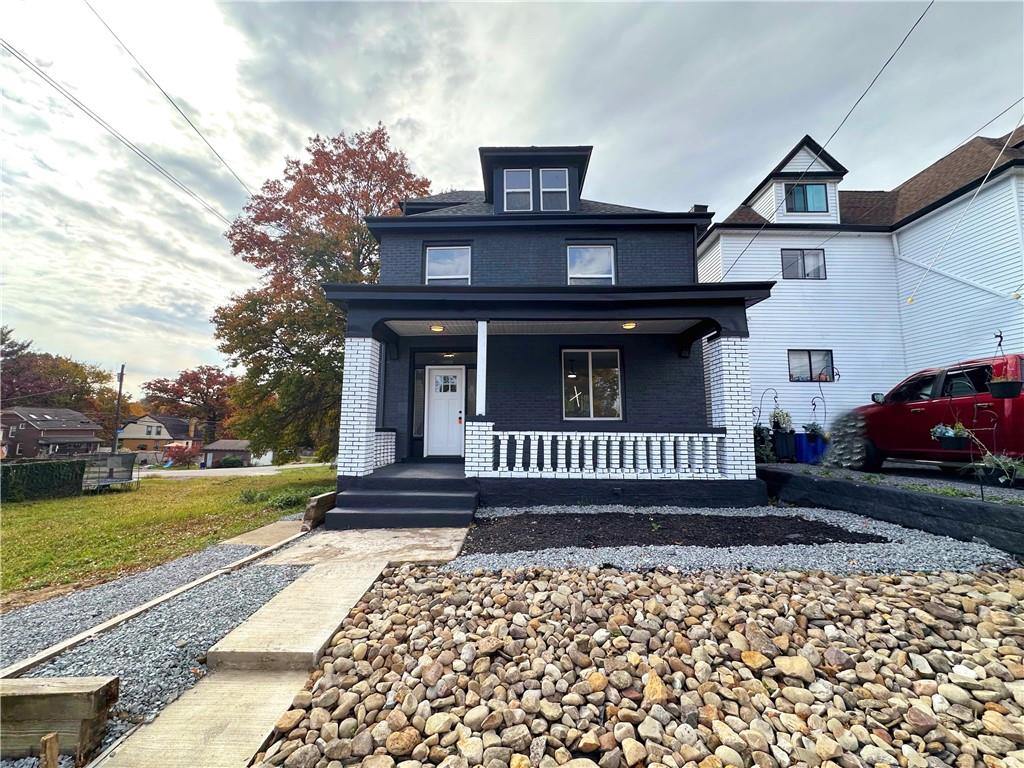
x: 963, y: 213
x: 167, y: 96
x: 883, y: 198
x: 838, y: 127
x: 112, y: 131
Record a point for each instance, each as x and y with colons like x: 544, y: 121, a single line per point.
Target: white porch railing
x: 592, y: 455
x: 383, y: 448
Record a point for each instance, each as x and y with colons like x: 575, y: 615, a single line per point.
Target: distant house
x: 153, y: 432
x: 214, y: 453
x: 840, y: 324
x: 30, y: 432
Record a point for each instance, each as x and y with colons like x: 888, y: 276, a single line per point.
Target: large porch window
x: 591, y: 384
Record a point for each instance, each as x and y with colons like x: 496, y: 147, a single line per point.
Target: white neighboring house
x: 838, y: 325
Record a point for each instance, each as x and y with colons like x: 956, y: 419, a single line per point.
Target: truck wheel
x: 873, y: 458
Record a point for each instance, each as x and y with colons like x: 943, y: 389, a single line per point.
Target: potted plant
x: 783, y: 439
x: 811, y: 445
x: 952, y: 438
x: 1004, y: 387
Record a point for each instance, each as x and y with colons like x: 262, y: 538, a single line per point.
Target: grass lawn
x: 96, y: 537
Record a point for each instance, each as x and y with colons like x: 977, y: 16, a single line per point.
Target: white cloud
x: 684, y: 103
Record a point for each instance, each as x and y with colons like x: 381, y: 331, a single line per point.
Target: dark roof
x: 866, y: 207
x: 227, y: 445
x: 744, y: 215
x: 480, y: 208
x: 452, y: 196
x: 53, y: 418
x: 176, y: 426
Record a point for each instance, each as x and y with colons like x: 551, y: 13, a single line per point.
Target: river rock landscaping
x: 539, y: 668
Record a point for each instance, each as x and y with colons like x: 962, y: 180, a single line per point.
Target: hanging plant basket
x: 1004, y: 389
x: 955, y: 443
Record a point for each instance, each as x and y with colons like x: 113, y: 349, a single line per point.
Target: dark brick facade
x: 524, y: 257
x: 662, y: 392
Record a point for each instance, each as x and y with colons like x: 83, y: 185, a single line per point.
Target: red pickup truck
x: 898, y: 424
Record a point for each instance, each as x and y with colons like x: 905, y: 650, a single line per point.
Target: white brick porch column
x: 357, y: 432
x: 479, y: 448
x: 727, y: 388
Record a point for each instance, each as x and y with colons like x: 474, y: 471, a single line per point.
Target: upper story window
x: 803, y: 264
x: 806, y: 198
x: 591, y: 264
x: 554, y: 189
x: 149, y: 431
x: 518, y: 189
x: 448, y: 265
x: 159, y: 430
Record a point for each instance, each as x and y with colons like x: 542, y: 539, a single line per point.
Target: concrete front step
x: 360, y: 498
x: 218, y: 724
x: 294, y: 627
x: 352, y: 518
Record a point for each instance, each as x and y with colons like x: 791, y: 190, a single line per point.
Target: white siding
x: 853, y: 312
x: 802, y: 159
x: 766, y: 202
x: 966, y: 297
x: 709, y: 263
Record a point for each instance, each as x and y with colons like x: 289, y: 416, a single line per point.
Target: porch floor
x: 422, y: 470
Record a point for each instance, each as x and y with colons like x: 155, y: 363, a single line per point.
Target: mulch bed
x: 533, y: 532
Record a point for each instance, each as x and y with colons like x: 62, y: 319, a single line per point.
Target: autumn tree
x: 301, y: 231
x: 29, y: 377
x: 198, y: 392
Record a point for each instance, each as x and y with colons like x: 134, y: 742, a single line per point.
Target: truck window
x: 917, y: 388
x: 967, y: 382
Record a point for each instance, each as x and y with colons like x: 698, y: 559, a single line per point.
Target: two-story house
x: 527, y: 345
x: 874, y: 285
x: 31, y: 432
x: 155, y: 431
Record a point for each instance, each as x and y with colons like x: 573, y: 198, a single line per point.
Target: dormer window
x: 554, y: 189
x: 518, y: 189
x: 806, y: 198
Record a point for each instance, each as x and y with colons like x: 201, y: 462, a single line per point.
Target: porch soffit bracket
x: 694, y: 333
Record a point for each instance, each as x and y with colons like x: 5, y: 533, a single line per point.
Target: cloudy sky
x: 684, y: 103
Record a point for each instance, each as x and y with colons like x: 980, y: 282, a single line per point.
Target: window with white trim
x: 803, y: 264
x: 591, y: 385
x: 554, y: 189
x: 448, y: 265
x: 518, y: 189
x: 11, y: 431
x: 591, y: 264
x: 806, y: 198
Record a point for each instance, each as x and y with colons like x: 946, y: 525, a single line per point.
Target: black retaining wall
x: 527, y: 492
x: 999, y: 525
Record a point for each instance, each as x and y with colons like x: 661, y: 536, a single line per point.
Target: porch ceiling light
x: 629, y: 326
x: 448, y: 355
x: 437, y: 328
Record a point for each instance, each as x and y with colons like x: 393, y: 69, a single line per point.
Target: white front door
x: 444, y: 417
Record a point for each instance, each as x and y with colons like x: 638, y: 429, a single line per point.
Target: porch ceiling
x: 538, y: 327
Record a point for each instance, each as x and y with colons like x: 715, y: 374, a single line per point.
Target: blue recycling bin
x: 810, y: 449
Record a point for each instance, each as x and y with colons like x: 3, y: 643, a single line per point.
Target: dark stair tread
x: 400, y: 494
x: 341, y: 518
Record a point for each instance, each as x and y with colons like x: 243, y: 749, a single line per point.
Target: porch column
x: 727, y: 388
x: 481, y: 367
x: 357, y: 432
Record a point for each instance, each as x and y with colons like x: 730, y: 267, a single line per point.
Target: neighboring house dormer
x: 803, y: 188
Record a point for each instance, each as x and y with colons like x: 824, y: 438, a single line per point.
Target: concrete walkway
x: 256, y: 669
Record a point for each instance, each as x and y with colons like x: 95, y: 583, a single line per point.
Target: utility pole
x: 117, y: 411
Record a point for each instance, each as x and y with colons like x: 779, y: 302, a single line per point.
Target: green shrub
x: 230, y: 462
x: 40, y: 479
x: 251, y: 496
x: 288, y: 499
